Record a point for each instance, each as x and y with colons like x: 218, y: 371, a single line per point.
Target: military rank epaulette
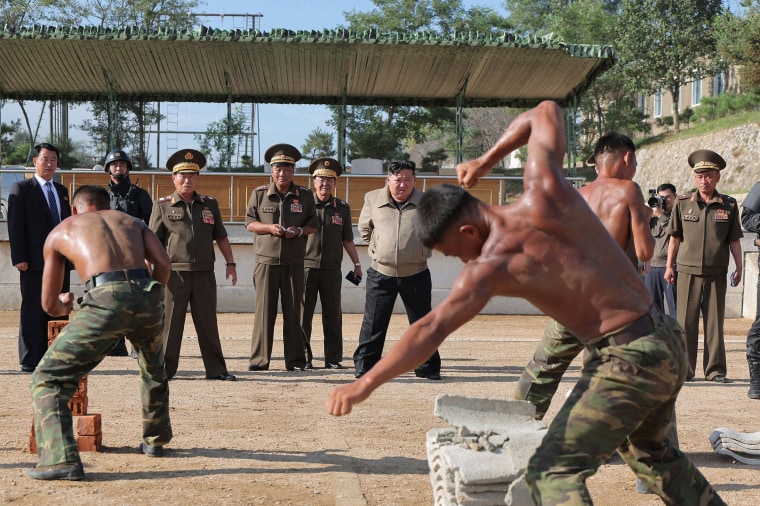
x: 729, y: 198
x: 262, y: 187
x: 204, y: 197
x: 165, y: 199
x: 685, y: 196
x: 342, y: 202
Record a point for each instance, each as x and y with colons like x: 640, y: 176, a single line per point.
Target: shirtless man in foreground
x: 110, y: 250
x: 619, y: 203
x: 550, y: 248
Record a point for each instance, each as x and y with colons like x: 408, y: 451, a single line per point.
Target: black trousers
x: 753, y: 336
x: 33, y: 325
x: 382, y: 290
x: 662, y: 291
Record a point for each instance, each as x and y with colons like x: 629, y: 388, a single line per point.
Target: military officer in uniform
x: 281, y: 214
x: 188, y: 223
x: 324, y: 254
x: 704, y: 227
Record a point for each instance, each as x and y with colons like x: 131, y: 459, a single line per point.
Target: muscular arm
x: 53, y: 302
x: 472, y: 289
x: 643, y: 241
x: 543, y: 130
x: 156, y: 254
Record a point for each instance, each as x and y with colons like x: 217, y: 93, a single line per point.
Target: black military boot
x: 754, y: 379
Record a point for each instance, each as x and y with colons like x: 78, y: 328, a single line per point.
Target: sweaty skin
x: 96, y: 242
x: 548, y: 247
x: 619, y: 203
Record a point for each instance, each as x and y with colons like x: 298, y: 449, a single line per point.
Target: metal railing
x: 75, y: 177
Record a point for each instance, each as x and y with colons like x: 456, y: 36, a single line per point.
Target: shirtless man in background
x: 619, y: 203
x: 550, y: 248
x: 110, y: 250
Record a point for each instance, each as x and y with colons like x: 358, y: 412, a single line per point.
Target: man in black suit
x: 35, y: 206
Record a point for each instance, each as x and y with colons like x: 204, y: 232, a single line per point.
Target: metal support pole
x: 228, y: 151
x: 342, y: 130
x: 459, y: 127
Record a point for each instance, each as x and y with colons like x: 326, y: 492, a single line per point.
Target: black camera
x: 656, y: 201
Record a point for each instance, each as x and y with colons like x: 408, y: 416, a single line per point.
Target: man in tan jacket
x: 399, y: 266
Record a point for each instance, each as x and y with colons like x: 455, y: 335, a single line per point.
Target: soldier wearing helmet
x: 128, y: 198
x: 125, y: 196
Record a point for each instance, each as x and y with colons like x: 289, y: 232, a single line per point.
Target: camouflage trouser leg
x: 540, y: 379
x: 624, y: 400
x: 134, y: 309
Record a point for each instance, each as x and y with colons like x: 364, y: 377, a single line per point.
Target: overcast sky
x: 276, y: 123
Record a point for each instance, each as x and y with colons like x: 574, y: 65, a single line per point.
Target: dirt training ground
x: 266, y: 439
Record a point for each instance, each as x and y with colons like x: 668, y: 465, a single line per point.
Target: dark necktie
x: 52, y: 204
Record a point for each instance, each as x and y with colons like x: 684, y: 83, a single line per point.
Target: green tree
x: 664, y: 44
x: 28, y: 12
x: 131, y: 121
x: 739, y: 41
x: 384, y: 132
x: 222, y: 137
x: 318, y: 144
x: 150, y: 14
x: 442, y: 16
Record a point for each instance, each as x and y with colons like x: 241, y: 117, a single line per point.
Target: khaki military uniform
x: 188, y: 232
x: 279, y: 272
x: 322, y: 264
x: 705, y: 230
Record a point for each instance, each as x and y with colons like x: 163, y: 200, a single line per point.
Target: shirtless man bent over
x: 110, y: 250
x: 551, y: 249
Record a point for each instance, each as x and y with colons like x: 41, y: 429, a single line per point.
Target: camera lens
x: 656, y: 202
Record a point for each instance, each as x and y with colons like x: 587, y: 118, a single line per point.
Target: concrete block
x: 480, y: 414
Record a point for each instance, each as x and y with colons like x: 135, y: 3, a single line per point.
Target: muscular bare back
x: 99, y: 242
x: 96, y: 242
x: 619, y: 203
x: 548, y: 247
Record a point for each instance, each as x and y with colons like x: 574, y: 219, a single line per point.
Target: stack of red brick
x: 88, y: 427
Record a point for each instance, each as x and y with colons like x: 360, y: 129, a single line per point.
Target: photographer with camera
x: 661, y: 201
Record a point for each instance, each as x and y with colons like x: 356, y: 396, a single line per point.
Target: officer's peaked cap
x: 703, y: 160
x: 186, y: 160
x: 325, y: 167
x: 282, y: 153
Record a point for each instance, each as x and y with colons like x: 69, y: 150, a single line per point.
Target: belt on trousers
x: 640, y: 327
x: 108, y: 277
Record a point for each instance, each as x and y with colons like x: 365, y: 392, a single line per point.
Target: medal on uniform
x: 336, y: 220
x: 296, y: 207
x: 721, y: 215
x: 208, y: 216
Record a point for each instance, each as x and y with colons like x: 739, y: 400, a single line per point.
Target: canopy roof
x: 282, y: 66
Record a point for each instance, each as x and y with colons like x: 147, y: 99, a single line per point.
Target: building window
x: 658, y: 104
x: 719, y: 84
x: 696, y: 92
x: 641, y: 102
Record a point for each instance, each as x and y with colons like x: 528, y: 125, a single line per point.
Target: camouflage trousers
x: 540, y: 379
x: 126, y: 308
x: 624, y: 401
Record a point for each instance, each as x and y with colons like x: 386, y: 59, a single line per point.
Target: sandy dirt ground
x: 267, y: 440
